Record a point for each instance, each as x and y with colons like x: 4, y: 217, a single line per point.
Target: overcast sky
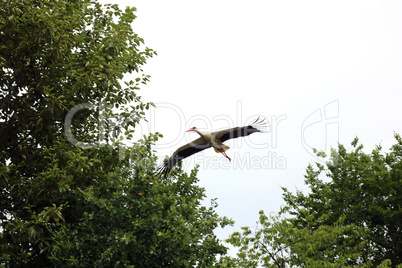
x: 321, y: 72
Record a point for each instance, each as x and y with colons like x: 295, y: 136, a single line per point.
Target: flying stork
x: 210, y: 139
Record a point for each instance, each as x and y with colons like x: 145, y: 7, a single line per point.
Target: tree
x: 354, y: 218
x: 72, y: 194
x: 366, y: 189
x: 278, y: 242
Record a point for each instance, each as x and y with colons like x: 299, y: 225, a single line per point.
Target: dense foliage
x: 71, y: 193
x: 365, y: 189
x: 351, y: 217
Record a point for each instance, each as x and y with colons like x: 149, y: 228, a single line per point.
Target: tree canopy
x: 352, y: 216
x: 72, y: 194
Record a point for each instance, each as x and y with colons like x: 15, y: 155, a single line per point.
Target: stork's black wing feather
x: 181, y: 153
x: 238, y: 132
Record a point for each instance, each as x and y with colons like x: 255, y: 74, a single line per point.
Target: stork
x: 210, y: 139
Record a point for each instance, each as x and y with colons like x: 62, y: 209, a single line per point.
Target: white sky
x: 320, y: 71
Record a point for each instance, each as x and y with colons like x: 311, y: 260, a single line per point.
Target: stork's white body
x: 212, y: 138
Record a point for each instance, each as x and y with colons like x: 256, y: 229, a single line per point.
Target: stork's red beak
x: 191, y: 129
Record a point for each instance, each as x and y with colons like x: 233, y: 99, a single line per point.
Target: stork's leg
x: 223, y: 152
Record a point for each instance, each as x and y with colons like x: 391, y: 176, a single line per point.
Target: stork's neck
x: 205, y: 135
x: 199, y: 132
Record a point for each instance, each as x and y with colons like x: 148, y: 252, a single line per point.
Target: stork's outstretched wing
x: 181, y: 153
x: 237, y: 132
